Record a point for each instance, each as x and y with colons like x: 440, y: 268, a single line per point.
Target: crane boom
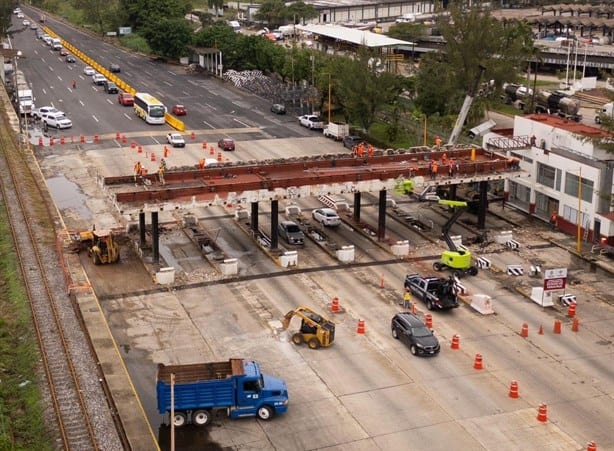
x: 462, y: 116
x: 459, y: 208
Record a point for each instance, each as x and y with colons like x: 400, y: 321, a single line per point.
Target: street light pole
x: 579, y: 222
x: 330, y: 87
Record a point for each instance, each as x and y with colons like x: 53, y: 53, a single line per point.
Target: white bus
x: 148, y: 108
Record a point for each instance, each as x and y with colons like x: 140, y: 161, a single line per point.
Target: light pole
x: 330, y: 89
x: 579, y: 222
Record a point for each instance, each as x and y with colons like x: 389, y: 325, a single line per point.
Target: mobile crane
x: 458, y: 260
x: 462, y: 116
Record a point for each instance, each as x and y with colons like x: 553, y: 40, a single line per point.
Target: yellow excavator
x: 315, y: 330
x: 101, y: 246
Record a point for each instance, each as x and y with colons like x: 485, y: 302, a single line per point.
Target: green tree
x: 216, y: 5
x: 144, y: 13
x: 472, y: 38
x: 6, y: 11
x: 407, y: 31
x: 299, y: 12
x: 168, y: 37
x: 272, y: 12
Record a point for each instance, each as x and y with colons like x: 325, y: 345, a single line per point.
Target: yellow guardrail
x: 121, y: 84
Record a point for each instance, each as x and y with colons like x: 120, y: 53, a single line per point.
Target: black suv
x: 350, y: 141
x: 410, y: 329
x: 110, y: 87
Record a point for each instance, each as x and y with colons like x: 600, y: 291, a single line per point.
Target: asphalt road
x: 366, y: 392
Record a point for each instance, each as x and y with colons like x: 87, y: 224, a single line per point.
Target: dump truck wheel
x: 200, y: 417
x: 298, y: 339
x: 180, y: 419
x: 314, y: 343
x: 265, y: 413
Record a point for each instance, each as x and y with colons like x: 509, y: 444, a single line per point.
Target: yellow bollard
x: 473, y: 154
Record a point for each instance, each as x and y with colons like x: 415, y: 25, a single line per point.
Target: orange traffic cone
x: 525, y: 330
x: 140, y: 149
x: 575, y: 325
x: 193, y: 136
x: 62, y: 140
x: 557, y: 326
x: 514, y: 389
x: 219, y: 157
x: 571, y: 310
x: 591, y: 446
x: 117, y: 135
x: 455, y: 342
x: 132, y: 145
x: 542, y: 413
x: 40, y: 141
x: 96, y: 138
x: 211, y: 150
x: 361, y: 327
x: 541, y: 330
x: 334, y: 306
x: 477, y: 363
x: 166, y: 152
x: 124, y: 139
x: 82, y: 139
x: 51, y: 141
x: 428, y: 320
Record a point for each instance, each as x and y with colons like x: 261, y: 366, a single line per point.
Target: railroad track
x: 32, y: 227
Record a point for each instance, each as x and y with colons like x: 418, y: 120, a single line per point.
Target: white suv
x: 56, y: 120
x: 38, y: 113
x: 99, y: 79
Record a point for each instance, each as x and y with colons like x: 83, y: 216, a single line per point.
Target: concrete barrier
x: 482, y: 303
x: 293, y: 210
x: 288, y: 259
x: 400, y: 248
x: 346, y: 254
x: 241, y: 214
x: 230, y: 267
x: 503, y: 237
x: 165, y: 276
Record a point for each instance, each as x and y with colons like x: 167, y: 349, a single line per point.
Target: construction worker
x: 161, y: 174
x: 370, y: 151
x: 74, y: 84
x: 434, y: 170
x: 444, y: 157
x: 201, y: 163
x: 553, y: 220
x: 437, y: 142
x: 451, y: 168
x: 407, y: 299
x: 143, y: 174
x: 137, y: 170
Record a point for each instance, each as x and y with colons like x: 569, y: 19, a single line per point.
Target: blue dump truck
x: 236, y: 385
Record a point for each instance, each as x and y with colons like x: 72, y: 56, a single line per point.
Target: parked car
x: 70, y: 59
x: 114, y: 68
x: 125, y: 99
x: 350, y: 141
x: 89, y: 71
x: 26, y: 23
x: 98, y: 79
x: 175, y: 140
x: 311, y: 121
x: 63, y: 52
x: 110, y: 87
x: 33, y: 26
x: 226, y: 144
x: 56, y: 120
x: 410, y: 329
x: 179, y: 110
x: 291, y: 233
x: 326, y: 217
x: 39, y: 112
x: 278, y: 108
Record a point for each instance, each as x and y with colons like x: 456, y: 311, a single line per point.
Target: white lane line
x: 127, y: 117
x: 81, y: 102
x: 148, y: 73
x: 110, y: 103
x: 171, y: 72
x: 167, y: 83
x: 186, y: 93
x: 210, y: 106
x: 95, y: 118
x: 50, y: 69
x: 242, y: 123
x: 208, y: 124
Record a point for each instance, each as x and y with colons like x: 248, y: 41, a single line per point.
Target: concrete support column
x: 155, y: 237
x: 381, y: 217
x: 274, y: 223
x: 142, y: 241
x: 357, y: 197
x: 483, y: 207
x: 452, y: 192
x: 254, y: 217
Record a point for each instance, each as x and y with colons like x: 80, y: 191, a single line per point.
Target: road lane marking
x: 95, y: 118
x: 167, y: 83
x: 211, y: 106
x: 148, y: 73
x: 171, y: 72
x: 110, y: 103
x: 208, y: 124
x: 127, y: 117
x: 186, y: 93
x: 242, y: 123
x: 81, y: 102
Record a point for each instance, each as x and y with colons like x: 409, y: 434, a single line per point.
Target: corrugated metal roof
x: 358, y: 37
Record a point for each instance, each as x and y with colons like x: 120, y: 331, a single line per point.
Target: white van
x: 56, y: 44
x: 235, y: 25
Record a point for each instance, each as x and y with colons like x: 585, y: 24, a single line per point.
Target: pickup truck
x: 236, y: 386
x: 435, y: 292
x: 311, y: 121
x: 336, y: 130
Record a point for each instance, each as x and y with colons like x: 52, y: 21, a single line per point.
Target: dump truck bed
x: 199, y: 372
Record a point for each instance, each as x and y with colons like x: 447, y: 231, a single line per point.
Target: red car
x: 125, y: 99
x: 226, y: 144
x: 179, y: 110
x: 63, y: 52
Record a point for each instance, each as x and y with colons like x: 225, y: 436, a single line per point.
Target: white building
x: 557, y: 153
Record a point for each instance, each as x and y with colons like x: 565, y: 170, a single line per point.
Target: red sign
x: 555, y: 284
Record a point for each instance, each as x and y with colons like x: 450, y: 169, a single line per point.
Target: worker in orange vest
x: 434, y: 170
x: 137, y: 170
x: 370, y: 151
x: 437, y: 142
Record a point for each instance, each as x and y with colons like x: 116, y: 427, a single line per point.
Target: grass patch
x: 135, y: 42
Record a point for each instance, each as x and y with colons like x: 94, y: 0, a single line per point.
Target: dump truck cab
x: 315, y: 330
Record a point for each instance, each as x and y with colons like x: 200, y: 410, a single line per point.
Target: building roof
x: 576, y: 128
x: 354, y: 36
